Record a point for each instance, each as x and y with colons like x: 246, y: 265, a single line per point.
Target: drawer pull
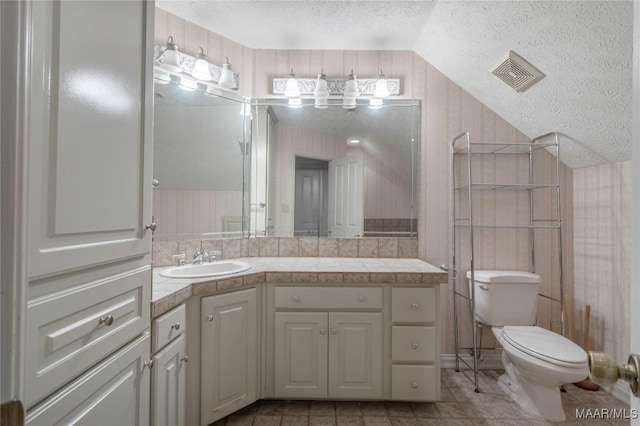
x: 209, y: 317
x: 296, y: 299
x: 176, y: 326
x: 360, y: 299
x: 184, y: 359
x: 334, y: 331
x: 414, y: 306
x: 148, y: 364
x: 414, y: 346
x: 323, y: 331
x: 414, y: 385
x: 107, y: 320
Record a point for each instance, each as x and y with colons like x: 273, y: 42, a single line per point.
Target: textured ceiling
x: 584, y: 48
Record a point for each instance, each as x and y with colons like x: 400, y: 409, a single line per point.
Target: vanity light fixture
x: 295, y: 103
x: 227, y: 78
x: 321, y: 91
x: 201, y: 68
x: 292, y: 90
x: 161, y: 76
x: 170, y: 60
x: 351, y: 92
x: 382, y: 87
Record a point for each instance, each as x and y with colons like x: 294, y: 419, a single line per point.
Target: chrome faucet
x: 200, y: 258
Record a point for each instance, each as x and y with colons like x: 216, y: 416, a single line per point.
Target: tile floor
x: 459, y: 405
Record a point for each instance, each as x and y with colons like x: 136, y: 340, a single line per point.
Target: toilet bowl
x: 537, y: 362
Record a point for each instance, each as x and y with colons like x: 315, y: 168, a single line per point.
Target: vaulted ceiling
x: 583, y: 47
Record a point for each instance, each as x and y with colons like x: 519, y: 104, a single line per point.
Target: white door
x: 229, y: 353
x: 346, y: 196
x: 168, y: 384
x: 355, y: 355
x: 634, y: 284
x: 301, y: 340
x: 81, y: 138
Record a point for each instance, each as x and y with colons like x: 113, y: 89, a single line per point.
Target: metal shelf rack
x: 465, y: 155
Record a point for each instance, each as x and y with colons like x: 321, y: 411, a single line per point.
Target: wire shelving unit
x: 469, y: 227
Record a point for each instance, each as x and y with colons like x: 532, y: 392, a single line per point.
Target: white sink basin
x: 222, y: 267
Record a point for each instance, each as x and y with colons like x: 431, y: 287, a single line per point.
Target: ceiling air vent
x: 517, y: 73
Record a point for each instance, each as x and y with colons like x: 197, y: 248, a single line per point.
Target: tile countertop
x: 171, y: 292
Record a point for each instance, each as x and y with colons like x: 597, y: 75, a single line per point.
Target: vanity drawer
x: 413, y: 304
x: 69, y: 331
x: 414, y: 383
x: 328, y: 298
x: 167, y: 327
x: 413, y: 343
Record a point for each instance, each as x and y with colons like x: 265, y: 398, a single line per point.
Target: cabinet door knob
x: 296, y: 299
x: 151, y: 226
x: 414, y: 306
x: 414, y: 346
x: 323, y: 331
x: 184, y: 359
x: 209, y: 317
x: 148, y: 364
x: 106, y: 320
x: 360, y: 299
x: 414, y: 385
x: 176, y: 326
x: 334, y: 331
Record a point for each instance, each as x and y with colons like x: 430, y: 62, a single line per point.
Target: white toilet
x: 536, y: 361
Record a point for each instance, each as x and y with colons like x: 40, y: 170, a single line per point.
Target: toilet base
x: 540, y: 401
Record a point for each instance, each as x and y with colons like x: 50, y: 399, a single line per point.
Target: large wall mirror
x: 334, y: 172
x: 201, y: 161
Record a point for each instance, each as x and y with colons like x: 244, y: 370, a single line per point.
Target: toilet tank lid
x: 491, y: 276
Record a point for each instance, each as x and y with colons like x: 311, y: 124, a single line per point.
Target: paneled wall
x: 447, y: 109
x: 601, y: 196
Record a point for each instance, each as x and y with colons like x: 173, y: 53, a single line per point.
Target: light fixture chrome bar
x: 366, y: 86
x: 188, y: 62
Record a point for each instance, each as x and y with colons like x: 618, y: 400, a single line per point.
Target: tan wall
x: 601, y: 197
x: 447, y: 110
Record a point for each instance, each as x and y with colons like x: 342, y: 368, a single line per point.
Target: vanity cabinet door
x: 229, y: 353
x: 355, y: 355
x: 168, y: 384
x: 301, y: 340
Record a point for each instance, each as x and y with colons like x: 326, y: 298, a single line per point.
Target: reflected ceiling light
x: 348, y: 103
x: 170, y: 56
x: 201, y: 68
x: 353, y: 141
x: 227, y: 78
x: 188, y: 84
x: 295, y: 103
x: 292, y: 90
x: 161, y: 76
x: 382, y: 86
x: 375, y: 103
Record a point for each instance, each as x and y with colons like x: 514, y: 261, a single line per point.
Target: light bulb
x: 201, y: 67
x: 227, y: 79
x: 375, y: 103
x: 170, y: 59
x: 321, y: 90
x: 348, y: 103
x: 382, y: 87
x: 351, y: 86
x: 321, y: 103
x: 295, y: 103
x: 291, y: 89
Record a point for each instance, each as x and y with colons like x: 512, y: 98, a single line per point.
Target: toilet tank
x: 505, y: 297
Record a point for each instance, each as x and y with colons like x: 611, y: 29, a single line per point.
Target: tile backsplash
x: 164, y: 251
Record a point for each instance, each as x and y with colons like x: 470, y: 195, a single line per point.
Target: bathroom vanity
x: 306, y: 328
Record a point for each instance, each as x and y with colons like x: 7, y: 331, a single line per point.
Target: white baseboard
x: 489, y: 362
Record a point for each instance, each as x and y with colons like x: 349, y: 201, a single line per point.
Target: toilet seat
x: 545, y: 345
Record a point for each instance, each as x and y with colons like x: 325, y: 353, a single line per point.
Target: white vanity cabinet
x: 328, y: 354
x: 169, y: 375
x: 229, y: 357
x: 415, y: 351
